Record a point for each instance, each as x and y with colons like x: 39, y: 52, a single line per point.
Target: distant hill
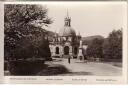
x: 89, y: 39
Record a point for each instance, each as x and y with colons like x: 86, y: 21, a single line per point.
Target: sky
x: 88, y: 18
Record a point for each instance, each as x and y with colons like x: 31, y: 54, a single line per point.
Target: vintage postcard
x: 64, y: 42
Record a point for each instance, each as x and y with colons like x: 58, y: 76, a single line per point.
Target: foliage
x: 25, y: 67
x: 112, y: 48
x: 24, y: 30
x: 95, y: 48
x: 109, y: 48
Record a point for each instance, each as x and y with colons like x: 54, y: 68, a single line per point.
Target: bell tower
x: 67, y: 20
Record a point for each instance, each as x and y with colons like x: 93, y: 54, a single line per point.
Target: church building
x: 66, y: 42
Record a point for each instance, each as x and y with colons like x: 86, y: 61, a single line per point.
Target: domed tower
x: 67, y: 35
x: 67, y: 30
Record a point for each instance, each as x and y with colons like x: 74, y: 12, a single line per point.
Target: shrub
x: 25, y: 67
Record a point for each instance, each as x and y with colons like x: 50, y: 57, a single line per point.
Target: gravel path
x: 89, y: 68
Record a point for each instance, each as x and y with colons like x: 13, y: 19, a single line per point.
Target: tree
x: 95, y: 48
x: 113, y: 45
x: 24, y: 29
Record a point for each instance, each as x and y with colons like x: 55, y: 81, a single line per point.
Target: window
x: 57, y: 50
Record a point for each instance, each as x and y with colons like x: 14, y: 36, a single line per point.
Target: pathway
x: 89, y: 68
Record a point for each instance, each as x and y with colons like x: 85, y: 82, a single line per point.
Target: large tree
x: 24, y: 29
x: 112, y: 48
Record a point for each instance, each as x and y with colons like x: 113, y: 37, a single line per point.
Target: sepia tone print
x: 36, y: 45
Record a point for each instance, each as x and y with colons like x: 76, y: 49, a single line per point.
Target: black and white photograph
x: 64, y: 39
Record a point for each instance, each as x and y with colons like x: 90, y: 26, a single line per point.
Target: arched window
x: 66, y: 50
x: 57, y: 50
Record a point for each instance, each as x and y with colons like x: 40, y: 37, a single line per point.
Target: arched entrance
x: 57, y: 50
x: 75, y: 50
x: 66, y: 50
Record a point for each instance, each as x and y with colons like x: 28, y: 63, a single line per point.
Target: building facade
x: 66, y: 43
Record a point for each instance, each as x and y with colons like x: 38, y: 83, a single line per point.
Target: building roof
x: 67, y: 31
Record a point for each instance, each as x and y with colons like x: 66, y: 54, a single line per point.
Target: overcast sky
x: 88, y: 18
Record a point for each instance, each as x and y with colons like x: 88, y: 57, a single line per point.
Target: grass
x: 117, y: 64
x: 25, y: 67
x: 52, y: 70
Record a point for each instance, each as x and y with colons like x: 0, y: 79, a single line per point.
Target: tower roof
x: 67, y: 20
x: 67, y: 30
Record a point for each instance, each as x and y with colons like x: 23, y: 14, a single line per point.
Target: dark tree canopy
x: 108, y: 48
x: 95, y: 48
x: 113, y: 45
x: 24, y: 29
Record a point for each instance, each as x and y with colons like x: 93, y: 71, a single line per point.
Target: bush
x: 44, y: 50
x: 25, y: 67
